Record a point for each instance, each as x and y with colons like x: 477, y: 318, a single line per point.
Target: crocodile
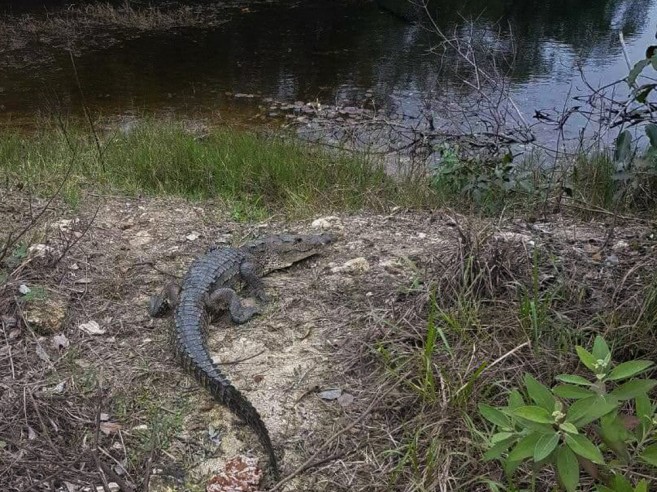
x: 208, y: 287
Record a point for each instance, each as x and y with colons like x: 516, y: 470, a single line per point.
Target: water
x: 341, y: 52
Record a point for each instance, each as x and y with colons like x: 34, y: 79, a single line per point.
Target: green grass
x: 254, y: 175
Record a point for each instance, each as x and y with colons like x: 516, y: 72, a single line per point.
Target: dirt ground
x: 76, y: 397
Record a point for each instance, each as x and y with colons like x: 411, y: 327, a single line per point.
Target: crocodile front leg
x: 225, y: 298
x: 249, y: 274
x: 164, y: 302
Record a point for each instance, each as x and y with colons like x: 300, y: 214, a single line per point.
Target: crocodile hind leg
x: 164, y: 302
x: 227, y: 299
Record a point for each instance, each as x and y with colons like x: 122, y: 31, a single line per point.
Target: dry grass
x: 95, y: 25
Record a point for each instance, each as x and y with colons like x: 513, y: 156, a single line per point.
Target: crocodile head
x: 283, y: 250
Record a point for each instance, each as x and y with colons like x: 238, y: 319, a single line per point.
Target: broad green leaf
x: 628, y: 369
x: 614, y: 434
x: 623, y: 150
x: 568, y: 427
x: 636, y: 71
x: 587, y: 359
x: 621, y: 484
x: 632, y: 389
x: 539, y: 393
x: 572, y: 392
x: 534, y: 414
x: 510, y: 466
x: 525, y: 447
x: 501, y: 436
x: 494, y: 416
x: 499, y: 448
x: 643, y: 405
x: 643, y: 92
x: 649, y: 455
x: 515, y: 399
x: 567, y: 468
x: 581, y: 445
x: 545, y: 445
x: 642, y: 486
x: 587, y: 410
x: 600, y: 348
x: 651, y: 131
x: 571, y: 378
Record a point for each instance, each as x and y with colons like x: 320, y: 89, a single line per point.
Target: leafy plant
x: 638, y: 174
x: 574, y: 424
x: 476, y: 180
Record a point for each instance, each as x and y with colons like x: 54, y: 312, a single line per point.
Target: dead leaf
x: 92, y: 328
x: 345, y: 399
x: 330, y: 394
x: 42, y: 354
x: 60, y: 342
x: 83, y: 280
x: 31, y: 433
x: 108, y: 428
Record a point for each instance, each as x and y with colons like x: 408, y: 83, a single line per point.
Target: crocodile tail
x: 224, y: 392
x: 239, y: 405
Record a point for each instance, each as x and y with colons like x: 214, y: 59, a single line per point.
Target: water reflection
x: 334, y: 52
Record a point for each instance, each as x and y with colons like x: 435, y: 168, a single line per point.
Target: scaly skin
x: 219, y: 271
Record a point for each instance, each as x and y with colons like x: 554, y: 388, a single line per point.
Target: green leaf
x: 632, y: 389
x: 587, y: 410
x: 567, y: 468
x: 581, y: 445
x: 642, y: 486
x: 510, y: 466
x: 623, y: 151
x: 621, y: 484
x: 631, y: 368
x: 534, y: 414
x: 643, y: 406
x: 651, y: 131
x: 572, y: 392
x: 643, y: 92
x: 501, y: 436
x: 587, y: 359
x: 545, y: 445
x: 636, y: 71
x: 494, y: 416
x: 499, y: 448
x: 614, y: 434
x: 571, y: 378
x: 649, y: 455
x: 525, y: 447
x: 515, y: 399
x: 539, y: 393
x: 600, y: 348
x: 568, y: 427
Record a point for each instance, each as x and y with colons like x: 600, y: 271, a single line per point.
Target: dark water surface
x: 331, y: 51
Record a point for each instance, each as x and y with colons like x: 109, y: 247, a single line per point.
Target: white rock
x: 141, y: 238
x: 193, y: 236
x: 39, y: 250
x: 327, y: 223
x: 356, y: 265
x: 24, y: 289
x: 620, y: 245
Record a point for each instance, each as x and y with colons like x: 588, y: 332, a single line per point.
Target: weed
x: 555, y: 427
x: 255, y: 176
